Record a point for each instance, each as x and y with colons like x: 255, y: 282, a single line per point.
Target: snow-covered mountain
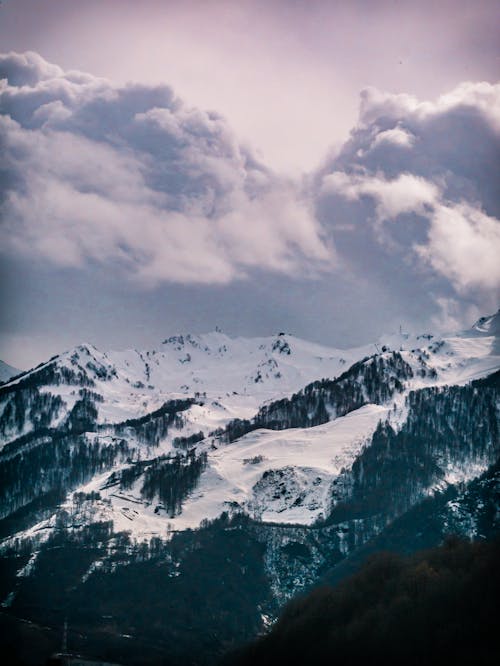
x: 310, y: 452
x: 243, y: 373
x: 7, y: 372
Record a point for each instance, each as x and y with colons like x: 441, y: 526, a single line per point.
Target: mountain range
x: 168, y: 502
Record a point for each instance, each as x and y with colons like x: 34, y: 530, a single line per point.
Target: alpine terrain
x: 166, y: 503
x: 7, y: 371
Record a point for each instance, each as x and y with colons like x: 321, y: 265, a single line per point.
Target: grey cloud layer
x: 132, y: 176
x: 413, y: 197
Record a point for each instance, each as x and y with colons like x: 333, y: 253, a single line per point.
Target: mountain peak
x: 488, y: 325
x: 7, y: 372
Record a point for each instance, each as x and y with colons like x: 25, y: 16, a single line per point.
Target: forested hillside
x: 437, y: 607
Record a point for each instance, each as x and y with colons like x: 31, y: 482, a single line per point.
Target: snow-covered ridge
x: 489, y: 325
x: 7, y: 372
x: 240, y: 373
x: 282, y: 475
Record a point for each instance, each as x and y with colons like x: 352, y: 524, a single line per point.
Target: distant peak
x: 203, y: 341
x: 85, y: 347
x: 7, y: 372
x: 488, y: 325
x: 174, y: 340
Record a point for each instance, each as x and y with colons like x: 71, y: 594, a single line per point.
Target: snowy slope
x: 282, y: 476
x: 7, y: 371
x: 488, y: 326
x: 457, y: 358
x: 234, y: 376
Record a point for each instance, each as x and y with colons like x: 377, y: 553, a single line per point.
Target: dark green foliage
x: 83, y: 416
x: 438, y: 607
x: 81, y: 497
x: 27, y: 644
x: 52, y: 461
x: 186, y: 442
x: 170, y: 408
x: 86, y: 394
x: 30, y: 409
x: 27, y: 440
x: 167, y: 478
x: 101, y: 371
x: 172, y: 479
x: 126, y: 477
x: 39, y: 508
x: 25, y: 405
x: 475, y: 509
x: 470, y: 511
x: 49, y: 374
x: 492, y: 381
x: 47, y: 459
x: 171, y: 597
x: 455, y: 424
x: 28, y: 406
x: 296, y: 550
x: 153, y: 427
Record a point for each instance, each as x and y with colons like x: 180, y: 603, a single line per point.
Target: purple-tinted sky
x: 129, y: 212
x: 286, y: 74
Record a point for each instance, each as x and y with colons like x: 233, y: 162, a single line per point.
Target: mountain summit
x: 7, y: 372
x: 489, y: 325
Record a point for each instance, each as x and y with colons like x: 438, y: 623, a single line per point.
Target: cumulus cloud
x: 464, y: 246
x: 397, y: 136
x: 413, y: 198
x: 404, y: 194
x: 131, y: 176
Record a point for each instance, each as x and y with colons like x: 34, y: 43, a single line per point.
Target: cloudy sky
x: 329, y: 168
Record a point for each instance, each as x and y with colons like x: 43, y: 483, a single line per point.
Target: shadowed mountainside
x: 437, y: 607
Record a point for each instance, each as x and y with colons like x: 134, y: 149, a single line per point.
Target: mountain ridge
x: 112, y: 396
x: 7, y: 372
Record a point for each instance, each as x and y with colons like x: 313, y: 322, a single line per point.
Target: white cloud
x: 413, y: 200
x: 464, y: 245
x: 131, y: 176
x: 404, y: 194
x: 377, y: 104
x: 454, y: 315
x: 480, y: 96
x: 396, y: 136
